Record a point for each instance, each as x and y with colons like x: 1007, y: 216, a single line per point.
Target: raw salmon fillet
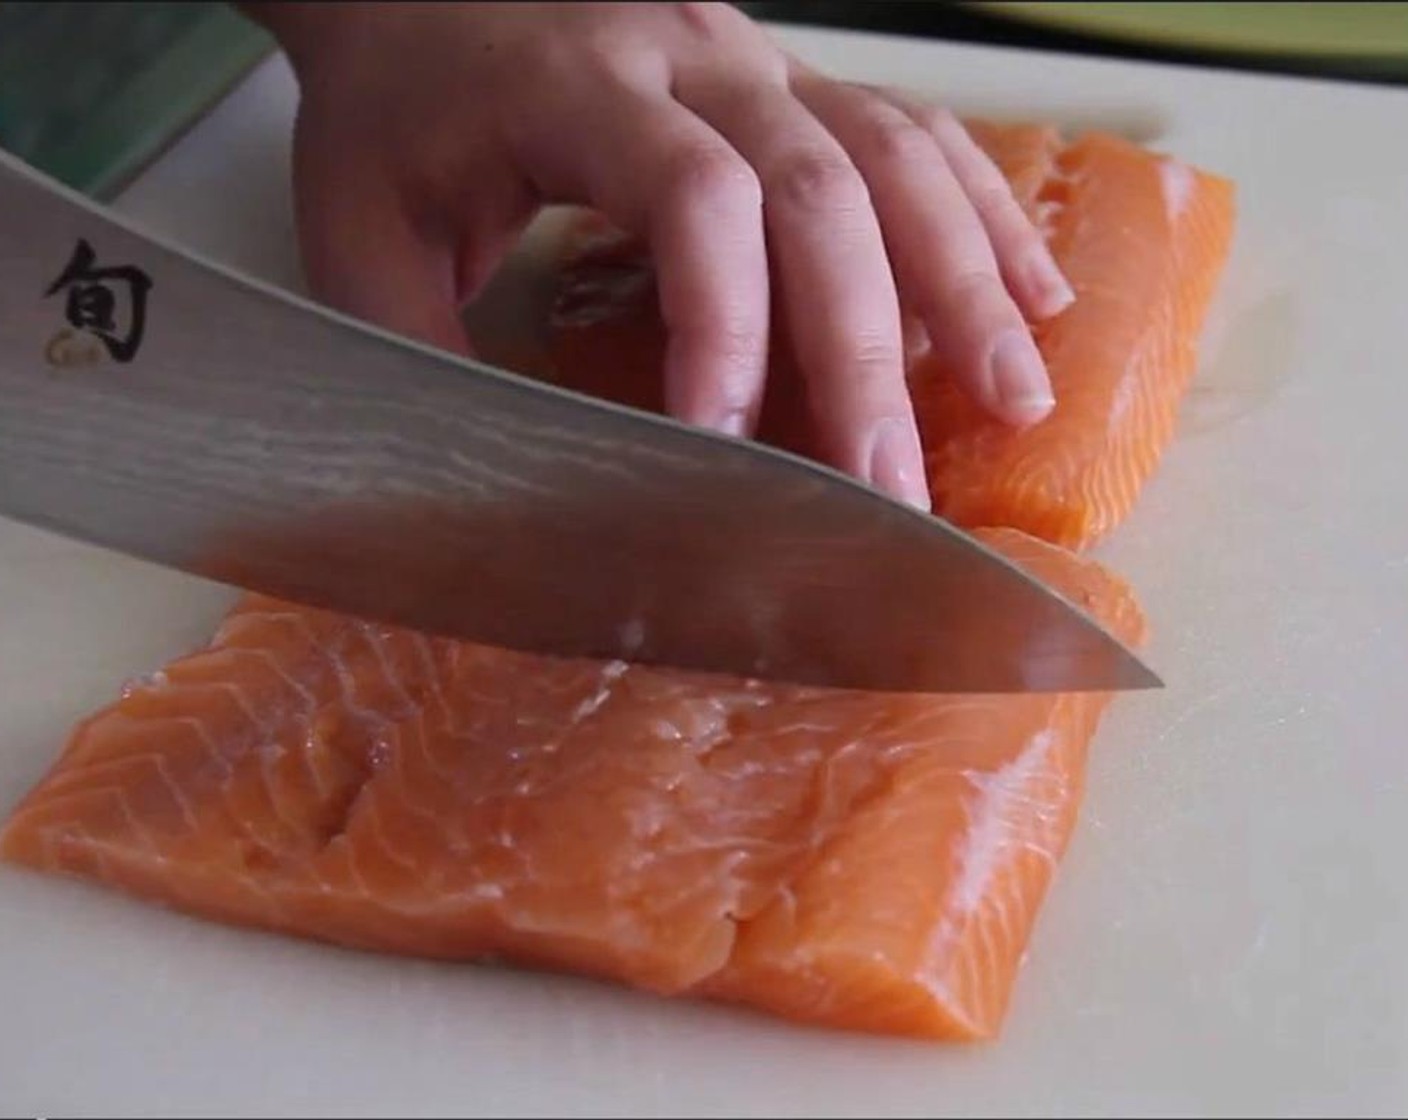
x: 843, y: 858
x: 1143, y: 239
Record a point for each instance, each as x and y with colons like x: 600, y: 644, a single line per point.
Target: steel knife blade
x: 162, y: 405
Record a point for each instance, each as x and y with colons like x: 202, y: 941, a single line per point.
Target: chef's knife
x: 169, y: 408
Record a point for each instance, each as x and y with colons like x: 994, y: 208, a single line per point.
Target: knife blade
x: 167, y: 407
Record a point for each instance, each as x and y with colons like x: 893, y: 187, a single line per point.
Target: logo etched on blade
x: 106, y: 310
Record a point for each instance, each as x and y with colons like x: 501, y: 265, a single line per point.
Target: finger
x: 837, y: 288
x: 1028, y: 268
x: 658, y: 171
x: 363, y: 255
x: 941, y: 252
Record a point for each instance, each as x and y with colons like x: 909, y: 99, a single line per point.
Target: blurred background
x: 91, y: 92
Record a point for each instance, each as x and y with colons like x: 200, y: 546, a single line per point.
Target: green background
x: 91, y: 92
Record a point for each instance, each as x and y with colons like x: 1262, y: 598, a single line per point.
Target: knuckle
x: 740, y: 345
x: 715, y: 177
x: 710, y: 20
x: 872, y: 361
x: 899, y: 143
x: 876, y: 355
x: 735, y: 339
x: 991, y: 196
x: 600, y: 61
x: 814, y: 181
x: 938, y: 120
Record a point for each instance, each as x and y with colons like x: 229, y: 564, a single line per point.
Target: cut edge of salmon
x: 1114, y: 428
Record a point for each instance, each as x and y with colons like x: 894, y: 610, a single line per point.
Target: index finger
x: 842, y: 306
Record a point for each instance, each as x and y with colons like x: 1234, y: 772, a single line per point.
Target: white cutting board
x: 1229, y: 932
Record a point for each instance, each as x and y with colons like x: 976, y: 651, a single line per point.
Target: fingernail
x: 1053, y: 290
x: 897, y: 464
x: 1019, y: 378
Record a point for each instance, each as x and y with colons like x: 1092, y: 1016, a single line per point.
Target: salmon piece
x: 1143, y: 239
x: 858, y: 860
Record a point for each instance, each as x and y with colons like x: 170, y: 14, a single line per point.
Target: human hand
x: 429, y: 135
